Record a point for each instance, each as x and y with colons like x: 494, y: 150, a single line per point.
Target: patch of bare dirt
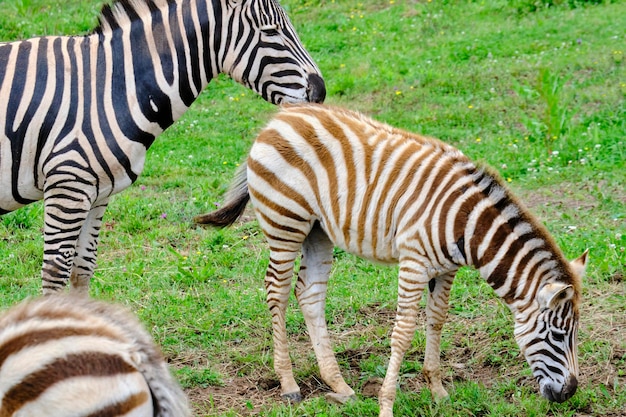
x: 245, y: 396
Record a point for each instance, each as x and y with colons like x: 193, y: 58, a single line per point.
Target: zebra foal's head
x: 265, y: 54
x: 547, y: 334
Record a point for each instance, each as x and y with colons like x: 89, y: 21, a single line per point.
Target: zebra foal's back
x: 70, y: 356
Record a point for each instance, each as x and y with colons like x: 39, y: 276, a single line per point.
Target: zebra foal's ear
x: 551, y: 295
x: 579, y: 265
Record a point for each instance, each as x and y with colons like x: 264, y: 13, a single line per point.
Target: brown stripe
x: 284, y: 147
x: 403, y: 159
x: 511, y: 296
x: 533, y: 282
x: 484, y: 221
x: 499, y: 274
x: 40, y: 337
x: 351, y: 171
x: 91, y: 364
x: 462, y: 218
x: 386, y: 153
x: 44, y: 313
x: 309, y: 134
x: 446, y: 216
x: 424, y: 172
x: 280, y: 187
x: 122, y: 408
x: 282, y: 227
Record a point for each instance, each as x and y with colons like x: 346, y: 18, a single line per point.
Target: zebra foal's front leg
x: 317, y: 259
x: 436, y: 314
x: 412, y: 280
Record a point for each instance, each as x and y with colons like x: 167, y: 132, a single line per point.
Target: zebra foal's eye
x: 558, y: 336
x: 270, y: 30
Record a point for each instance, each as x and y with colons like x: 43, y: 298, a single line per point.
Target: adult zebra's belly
x: 8, y: 200
x: 17, y: 187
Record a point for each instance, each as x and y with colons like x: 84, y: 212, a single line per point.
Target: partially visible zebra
x: 77, y: 114
x: 320, y: 176
x: 64, y: 355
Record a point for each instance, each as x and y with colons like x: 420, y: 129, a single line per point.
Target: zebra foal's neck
x: 496, y: 234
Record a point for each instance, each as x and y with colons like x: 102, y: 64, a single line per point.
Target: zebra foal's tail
x: 236, y: 200
x: 64, y: 355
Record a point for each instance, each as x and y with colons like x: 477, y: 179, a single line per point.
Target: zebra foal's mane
x: 509, y: 198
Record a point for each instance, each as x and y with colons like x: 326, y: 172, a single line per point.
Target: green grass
x: 537, y: 89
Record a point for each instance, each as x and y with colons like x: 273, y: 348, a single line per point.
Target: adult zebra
x: 77, y: 114
x: 319, y: 177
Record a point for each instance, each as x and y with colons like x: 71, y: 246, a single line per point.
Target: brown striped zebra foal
x: 320, y: 176
x: 69, y: 356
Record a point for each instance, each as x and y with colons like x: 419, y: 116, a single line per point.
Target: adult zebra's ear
x: 579, y: 265
x: 552, y: 295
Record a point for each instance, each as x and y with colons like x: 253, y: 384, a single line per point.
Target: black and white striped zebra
x: 77, y: 113
x: 69, y: 356
x: 319, y: 176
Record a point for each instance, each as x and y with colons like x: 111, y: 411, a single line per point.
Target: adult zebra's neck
x: 159, y: 57
x: 513, y: 251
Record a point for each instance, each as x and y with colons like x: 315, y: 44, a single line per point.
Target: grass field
x: 537, y: 89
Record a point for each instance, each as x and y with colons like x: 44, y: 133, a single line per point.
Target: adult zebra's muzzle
x: 559, y: 394
x: 316, y: 90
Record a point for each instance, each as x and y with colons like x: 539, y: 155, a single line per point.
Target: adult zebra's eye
x: 270, y: 30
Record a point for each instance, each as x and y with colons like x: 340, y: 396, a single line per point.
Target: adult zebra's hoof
x: 292, y: 397
x: 333, y: 397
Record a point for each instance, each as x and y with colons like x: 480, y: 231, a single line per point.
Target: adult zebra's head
x: 547, y: 334
x: 263, y: 52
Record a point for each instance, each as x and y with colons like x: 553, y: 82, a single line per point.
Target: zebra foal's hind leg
x: 436, y: 314
x: 86, y: 249
x: 317, y: 258
x: 278, y: 287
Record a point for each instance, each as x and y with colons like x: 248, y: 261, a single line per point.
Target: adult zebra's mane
x: 111, y: 14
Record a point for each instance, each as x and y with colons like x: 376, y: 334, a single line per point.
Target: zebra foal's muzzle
x: 554, y: 392
x: 316, y: 90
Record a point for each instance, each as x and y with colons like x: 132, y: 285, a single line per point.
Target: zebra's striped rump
x: 320, y: 177
x: 71, y: 356
x: 78, y: 113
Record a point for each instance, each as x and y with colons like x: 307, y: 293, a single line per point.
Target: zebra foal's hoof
x: 292, y: 397
x: 333, y: 397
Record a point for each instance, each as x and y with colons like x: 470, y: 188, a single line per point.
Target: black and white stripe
x: 320, y: 177
x: 77, y: 113
x: 73, y: 356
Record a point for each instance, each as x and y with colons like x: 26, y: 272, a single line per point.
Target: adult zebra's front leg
x: 66, y: 208
x: 86, y: 249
